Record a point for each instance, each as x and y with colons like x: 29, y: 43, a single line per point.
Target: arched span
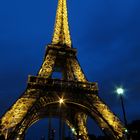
x: 52, y: 108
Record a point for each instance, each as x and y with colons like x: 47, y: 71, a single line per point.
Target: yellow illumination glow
x: 61, y: 100
x: 126, y: 131
x: 61, y: 30
x: 73, y: 130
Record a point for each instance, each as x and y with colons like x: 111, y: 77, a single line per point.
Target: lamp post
x: 120, y: 92
x: 61, y: 123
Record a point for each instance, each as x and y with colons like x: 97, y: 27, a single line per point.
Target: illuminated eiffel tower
x: 72, y: 95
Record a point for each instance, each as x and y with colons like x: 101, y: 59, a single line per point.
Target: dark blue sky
x: 106, y: 34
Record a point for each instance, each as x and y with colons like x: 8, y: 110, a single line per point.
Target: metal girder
x: 43, y: 91
x: 84, y: 104
x: 61, y: 33
x: 41, y: 97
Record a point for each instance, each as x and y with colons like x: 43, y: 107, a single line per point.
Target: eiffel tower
x: 79, y: 97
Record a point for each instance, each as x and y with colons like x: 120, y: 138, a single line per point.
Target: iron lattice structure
x: 41, y: 97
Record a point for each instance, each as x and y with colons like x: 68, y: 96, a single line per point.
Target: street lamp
x: 120, y: 92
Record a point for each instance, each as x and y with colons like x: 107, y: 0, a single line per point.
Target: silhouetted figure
x: 52, y: 134
x: 2, y: 137
x: 102, y: 138
x: 68, y: 138
x: 43, y: 138
x: 92, y: 137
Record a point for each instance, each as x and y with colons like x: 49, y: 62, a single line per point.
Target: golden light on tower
x: 43, y: 91
x: 61, y: 101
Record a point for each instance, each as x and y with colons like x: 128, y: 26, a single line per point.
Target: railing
x: 35, y: 81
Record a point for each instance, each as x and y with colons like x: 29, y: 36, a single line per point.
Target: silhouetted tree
x: 134, y: 130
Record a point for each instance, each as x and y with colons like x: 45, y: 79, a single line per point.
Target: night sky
x: 106, y: 34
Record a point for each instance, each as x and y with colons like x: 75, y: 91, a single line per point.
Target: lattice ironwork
x: 61, y: 30
x: 41, y: 98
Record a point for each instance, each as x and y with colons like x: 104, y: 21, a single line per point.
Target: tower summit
x: 61, y: 33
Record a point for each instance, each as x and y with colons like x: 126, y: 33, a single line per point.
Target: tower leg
x: 81, y: 129
x: 78, y: 126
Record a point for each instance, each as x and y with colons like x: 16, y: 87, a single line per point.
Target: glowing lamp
x: 120, y: 91
x: 61, y: 101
